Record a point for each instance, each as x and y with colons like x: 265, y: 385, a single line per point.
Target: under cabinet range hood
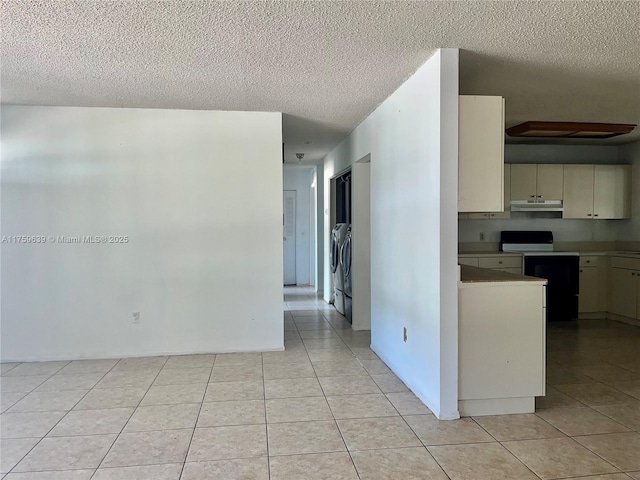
x: 536, y: 205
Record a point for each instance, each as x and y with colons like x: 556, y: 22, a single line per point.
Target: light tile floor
x: 326, y: 408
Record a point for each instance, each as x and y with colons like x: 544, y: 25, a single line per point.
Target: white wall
x: 300, y: 179
x: 361, y: 242
x: 198, y: 193
x: 565, y: 230
x: 412, y: 138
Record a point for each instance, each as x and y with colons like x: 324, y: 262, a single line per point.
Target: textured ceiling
x: 325, y: 64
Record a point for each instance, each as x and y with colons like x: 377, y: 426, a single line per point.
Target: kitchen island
x: 501, y: 335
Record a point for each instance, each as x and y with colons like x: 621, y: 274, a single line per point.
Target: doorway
x: 289, y: 236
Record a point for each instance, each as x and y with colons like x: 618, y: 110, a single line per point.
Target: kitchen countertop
x: 614, y: 254
x: 470, y: 274
x: 583, y: 253
x: 488, y: 254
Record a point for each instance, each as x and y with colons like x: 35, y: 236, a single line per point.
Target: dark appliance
x: 561, y: 269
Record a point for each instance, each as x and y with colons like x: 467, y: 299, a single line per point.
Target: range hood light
x: 569, y: 129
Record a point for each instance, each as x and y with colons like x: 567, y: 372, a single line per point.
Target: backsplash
x: 478, y: 247
x: 564, y: 230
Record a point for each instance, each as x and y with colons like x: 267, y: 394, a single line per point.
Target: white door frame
x: 289, y: 237
x: 313, y: 221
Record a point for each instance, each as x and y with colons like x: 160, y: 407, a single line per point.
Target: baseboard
x: 592, y: 316
x: 620, y: 318
x: 436, y: 410
x: 71, y: 357
x: 609, y: 316
x: 496, y: 406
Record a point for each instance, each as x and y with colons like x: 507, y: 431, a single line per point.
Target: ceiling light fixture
x: 299, y: 156
x: 569, y: 129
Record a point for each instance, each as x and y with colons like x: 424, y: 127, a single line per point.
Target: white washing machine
x: 345, y: 261
x: 338, y: 235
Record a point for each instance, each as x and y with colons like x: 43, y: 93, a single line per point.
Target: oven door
x: 562, y: 274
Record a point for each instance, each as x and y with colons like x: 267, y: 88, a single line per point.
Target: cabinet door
x: 480, y: 154
x: 588, y: 299
x: 612, y: 191
x: 471, y: 261
x: 549, y: 182
x: 523, y: 181
x: 507, y: 195
x: 578, y: 191
x: 623, y: 292
x: 517, y: 271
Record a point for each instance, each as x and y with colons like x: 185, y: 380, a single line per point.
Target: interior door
x: 289, y: 236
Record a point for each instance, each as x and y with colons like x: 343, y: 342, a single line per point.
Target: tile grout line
x: 423, y: 444
x: 266, y: 423
x: 195, y: 425
x: 335, y: 420
x: 130, y: 416
x: 505, y: 448
x: 61, y: 418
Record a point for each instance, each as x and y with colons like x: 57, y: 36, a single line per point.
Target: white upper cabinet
x: 536, y: 181
x: 612, y: 191
x: 549, y: 181
x: 507, y: 204
x: 480, y: 154
x: 597, y: 191
x: 578, y: 191
x: 523, y: 181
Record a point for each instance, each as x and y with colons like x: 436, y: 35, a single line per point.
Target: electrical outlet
x: 405, y: 334
x: 135, y: 316
x: 482, y: 236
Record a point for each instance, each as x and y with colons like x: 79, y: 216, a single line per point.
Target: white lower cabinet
x: 592, y: 300
x: 609, y: 285
x: 500, y: 262
x: 588, y: 298
x: 624, y: 292
x: 471, y: 261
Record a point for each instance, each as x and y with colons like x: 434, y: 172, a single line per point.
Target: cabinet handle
x: 539, y: 196
x: 595, y: 215
x: 500, y: 262
x: 588, y: 261
x: 532, y: 196
x: 588, y: 214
